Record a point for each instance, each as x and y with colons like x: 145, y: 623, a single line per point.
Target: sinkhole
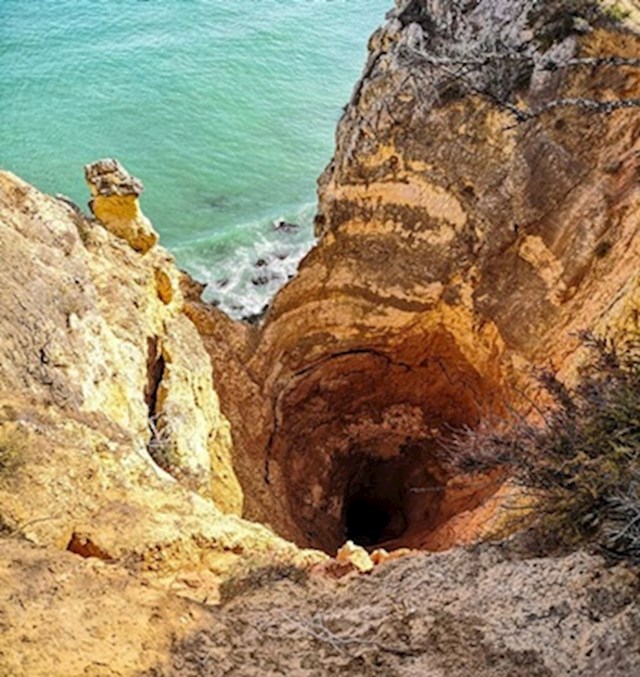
x: 390, y: 501
x: 374, y: 509
x: 359, y: 448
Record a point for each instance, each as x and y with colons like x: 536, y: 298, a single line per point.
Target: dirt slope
x: 484, y: 612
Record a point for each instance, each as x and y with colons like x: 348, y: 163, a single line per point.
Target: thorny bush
x: 581, y: 461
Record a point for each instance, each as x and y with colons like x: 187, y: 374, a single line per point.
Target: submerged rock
x: 285, y: 226
x: 260, y: 280
x: 256, y: 318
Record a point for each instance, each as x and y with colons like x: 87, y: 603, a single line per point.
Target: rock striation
x: 477, y: 214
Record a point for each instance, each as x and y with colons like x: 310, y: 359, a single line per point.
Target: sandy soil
x: 484, y: 612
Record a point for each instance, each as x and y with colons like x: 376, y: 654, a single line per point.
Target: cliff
x: 480, y: 210
x: 112, y: 443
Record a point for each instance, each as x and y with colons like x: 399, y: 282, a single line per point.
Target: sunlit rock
x: 115, y: 203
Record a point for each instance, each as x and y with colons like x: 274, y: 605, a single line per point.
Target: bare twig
x: 317, y: 628
x: 491, y: 58
x: 592, y: 105
x: 445, y: 65
x: 593, y: 61
x: 37, y: 520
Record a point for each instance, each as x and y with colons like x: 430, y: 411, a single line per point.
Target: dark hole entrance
x: 368, y: 522
x: 374, y: 503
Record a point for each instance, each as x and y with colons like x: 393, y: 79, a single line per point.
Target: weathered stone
x: 193, y: 442
x: 380, y: 555
x: 97, y: 375
x: 115, y: 203
x: 459, y: 248
x: 356, y: 555
x: 167, y: 283
x: 108, y: 178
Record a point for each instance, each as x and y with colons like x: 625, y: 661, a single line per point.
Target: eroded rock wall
x: 112, y: 441
x: 469, y: 228
x: 469, y: 225
x: 90, y: 325
x: 463, y: 238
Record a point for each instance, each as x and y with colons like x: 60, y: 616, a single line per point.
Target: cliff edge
x: 113, y: 446
x: 480, y: 211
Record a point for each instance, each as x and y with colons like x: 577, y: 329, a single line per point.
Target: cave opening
x: 374, y: 505
x: 368, y: 519
x: 385, y: 498
x: 359, y: 448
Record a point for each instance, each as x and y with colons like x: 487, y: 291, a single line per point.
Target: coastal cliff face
x: 476, y: 215
x: 91, y: 329
x: 112, y: 442
x: 470, y: 224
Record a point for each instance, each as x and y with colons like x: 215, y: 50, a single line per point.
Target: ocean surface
x: 226, y: 109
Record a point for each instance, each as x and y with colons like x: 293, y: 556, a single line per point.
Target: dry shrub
x: 556, y: 20
x: 582, y: 461
x: 11, y: 452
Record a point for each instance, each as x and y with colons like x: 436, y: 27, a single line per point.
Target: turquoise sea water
x: 226, y: 109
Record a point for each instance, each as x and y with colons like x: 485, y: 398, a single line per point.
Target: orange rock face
x: 458, y: 248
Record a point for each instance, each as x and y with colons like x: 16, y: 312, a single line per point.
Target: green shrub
x: 616, y: 12
x: 582, y: 462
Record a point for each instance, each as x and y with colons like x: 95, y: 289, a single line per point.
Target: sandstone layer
x: 475, y: 217
x: 112, y: 441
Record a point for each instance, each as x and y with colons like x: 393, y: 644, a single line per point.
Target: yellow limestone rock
x: 192, y: 437
x: 381, y: 555
x: 115, y: 203
x: 356, y: 555
x: 97, y: 359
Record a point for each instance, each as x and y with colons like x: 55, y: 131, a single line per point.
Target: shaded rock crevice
x: 155, y: 372
x: 360, y: 432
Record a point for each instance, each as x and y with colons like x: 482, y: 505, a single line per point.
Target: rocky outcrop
x: 112, y: 441
x: 476, y: 215
x: 118, y: 491
x: 468, y: 228
x: 451, y: 614
x: 101, y: 331
x: 115, y: 203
